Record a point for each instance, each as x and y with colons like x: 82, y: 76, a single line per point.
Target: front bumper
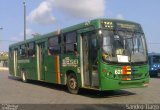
x: 154, y: 72
x: 109, y: 84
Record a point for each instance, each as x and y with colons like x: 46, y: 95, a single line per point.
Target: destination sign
x: 128, y: 26
x: 109, y: 24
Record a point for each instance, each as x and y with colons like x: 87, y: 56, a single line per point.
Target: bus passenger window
x: 22, y: 51
x: 70, y: 42
x: 10, y: 52
x: 54, y: 45
x: 31, y: 49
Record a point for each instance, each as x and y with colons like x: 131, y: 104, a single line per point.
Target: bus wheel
x: 72, y: 84
x: 24, y: 78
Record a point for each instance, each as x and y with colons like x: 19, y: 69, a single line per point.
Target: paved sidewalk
x: 3, y: 68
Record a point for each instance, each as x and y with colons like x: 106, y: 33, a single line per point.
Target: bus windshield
x: 156, y: 59
x: 124, y: 47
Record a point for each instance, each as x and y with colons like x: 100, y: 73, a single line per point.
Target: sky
x: 44, y: 16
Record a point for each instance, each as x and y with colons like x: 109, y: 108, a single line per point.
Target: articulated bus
x: 154, y: 64
x: 100, y: 54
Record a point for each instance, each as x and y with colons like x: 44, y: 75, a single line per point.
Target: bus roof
x: 153, y: 53
x: 95, y: 22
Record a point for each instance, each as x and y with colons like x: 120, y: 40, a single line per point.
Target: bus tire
x: 24, y: 76
x: 72, y: 84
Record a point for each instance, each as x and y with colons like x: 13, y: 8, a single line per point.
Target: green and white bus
x: 101, y: 54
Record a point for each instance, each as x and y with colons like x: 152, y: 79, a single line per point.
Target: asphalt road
x: 13, y: 91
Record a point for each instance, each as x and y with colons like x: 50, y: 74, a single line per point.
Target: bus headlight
x: 100, y: 32
x: 154, y: 65
x: 109, y: 75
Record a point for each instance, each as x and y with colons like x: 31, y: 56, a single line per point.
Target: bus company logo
x: 69, y: 62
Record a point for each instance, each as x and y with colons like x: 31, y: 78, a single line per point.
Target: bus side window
x: 70, y: 40
x: 22, y: 51
x: 149, y: 59
x: 31, y: 49
x: 54, y: 45
x: 10, y: 52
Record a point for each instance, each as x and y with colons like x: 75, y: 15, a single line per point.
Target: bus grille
x: 130, y: 77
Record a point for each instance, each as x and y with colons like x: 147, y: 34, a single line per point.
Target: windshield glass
x: 156, y: 59
x: 123, y: 46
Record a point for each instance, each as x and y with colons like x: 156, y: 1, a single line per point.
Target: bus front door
x: 40, y: 61
x: 15, y: 61
x: 89, y: 58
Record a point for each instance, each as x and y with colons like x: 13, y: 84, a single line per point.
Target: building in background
x: 3, y: 59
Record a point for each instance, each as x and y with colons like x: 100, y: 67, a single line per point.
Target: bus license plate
x: 127, y: 77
